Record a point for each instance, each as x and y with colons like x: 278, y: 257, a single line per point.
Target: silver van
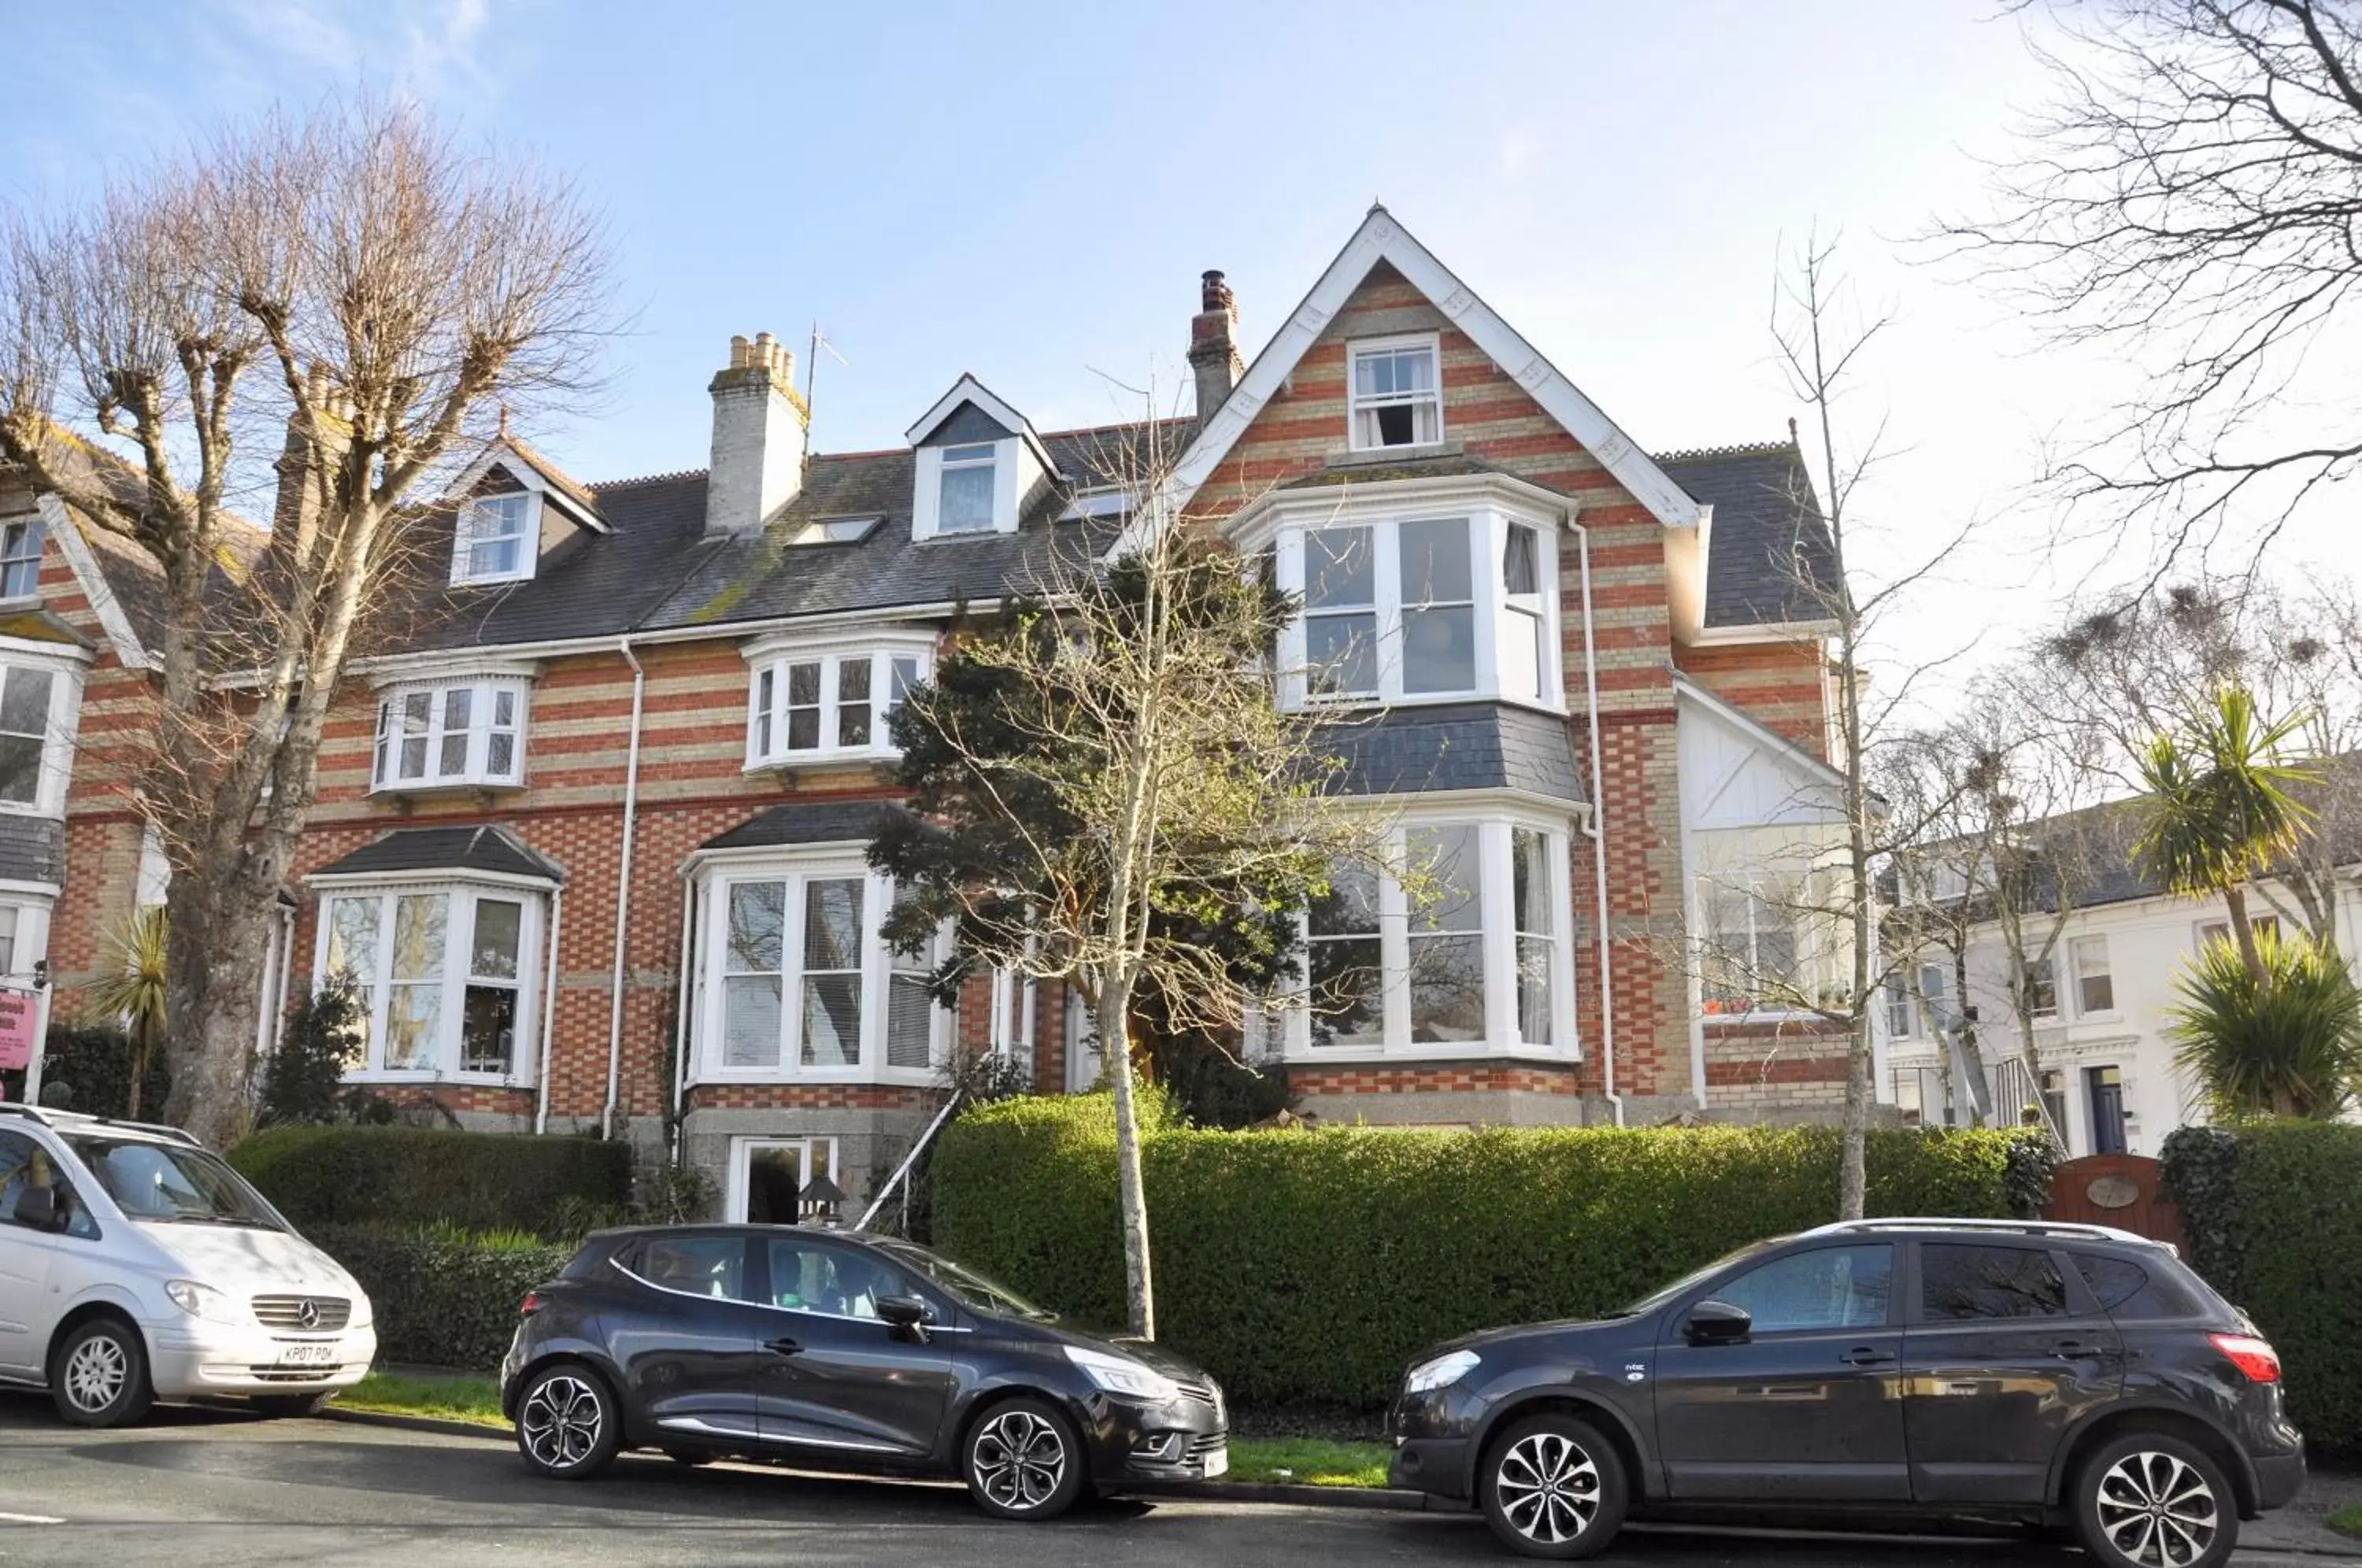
x: 135, y: 1266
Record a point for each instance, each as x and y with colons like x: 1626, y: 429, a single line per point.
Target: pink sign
x: 17, y: 1010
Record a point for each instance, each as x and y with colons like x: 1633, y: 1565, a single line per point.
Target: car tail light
x: 534, y: 1301
x: 2251, y: 1356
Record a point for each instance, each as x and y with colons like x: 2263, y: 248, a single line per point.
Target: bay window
x: 445, y: 975
x: 40, y: 694
x: 807, y: 703
x: 450, y: 735
x: 1767, y: 938
x: 20, y: 558
x: 799, y: 983
x: 1458, y: 945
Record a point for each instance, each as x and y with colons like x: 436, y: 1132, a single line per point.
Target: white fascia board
x: 968, y: 389
x: 451, y: 671
x: 889, y: 638
x: 61, y: 526
x: 1382, y: 237
x: 447, y: 876
x: 1253, y: 523
x: 1756, y: 730
x: 1763, y: 632
x: 527, y: 472
x: 1539, y: 810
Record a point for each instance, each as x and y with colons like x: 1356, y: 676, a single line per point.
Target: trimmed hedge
x: 424, y: 1176
x: 1304, y: 1268
x: 443, y: 1298
x: 2273, y: 1214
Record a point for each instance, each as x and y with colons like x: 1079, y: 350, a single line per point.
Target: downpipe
x: 624, y: 891
x: 1594, y: 825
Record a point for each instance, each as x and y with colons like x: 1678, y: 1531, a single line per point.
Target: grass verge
x: 2347, y: 1521
x: 1305, y: 1461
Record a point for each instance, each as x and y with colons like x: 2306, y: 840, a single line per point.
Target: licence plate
x: 1217, y: 1463
x: 307, y: 1355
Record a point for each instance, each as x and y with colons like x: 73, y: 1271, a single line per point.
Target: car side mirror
x: 38, y: 1207
x: 1716, y: 1323
x: 905, y: 1315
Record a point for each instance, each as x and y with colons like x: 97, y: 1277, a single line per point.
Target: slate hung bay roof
x: 488, y: 848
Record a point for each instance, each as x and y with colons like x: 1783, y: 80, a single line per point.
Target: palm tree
x: 2220, y: 809
x: 133, y: 989
x: 2292, y: 1047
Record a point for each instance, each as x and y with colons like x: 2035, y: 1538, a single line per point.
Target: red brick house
x: 591, y: 832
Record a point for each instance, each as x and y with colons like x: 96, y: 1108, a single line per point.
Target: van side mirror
x: 38, y: 1208
x: 1716, y: 1323
x: 905, y: 1315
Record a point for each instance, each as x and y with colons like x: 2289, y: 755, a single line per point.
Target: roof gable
x: 535, y: 472
x: 970, y: 391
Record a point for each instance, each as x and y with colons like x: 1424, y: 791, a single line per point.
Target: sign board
x: 20, y: 1011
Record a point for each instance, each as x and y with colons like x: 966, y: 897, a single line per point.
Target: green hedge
x: 420, y: 1175
x: 1304, y: 1268
x: 2273, y: 1214
x: 443, y: 1298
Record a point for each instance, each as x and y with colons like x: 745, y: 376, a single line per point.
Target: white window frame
x: 1916, y: 999
x: 461, y: 895
x: 21, y: 542
x: 1494, y: 822
x: 1488, y: 525
x: 55, y: 770
x: 466, y: 537
x: 768, y: 707
x: 1356, y: 405
x: 796, y: 869
x: 962, y: 456
x: 396, y: 705
x: 2075, y: 949
x: 742, y: 1161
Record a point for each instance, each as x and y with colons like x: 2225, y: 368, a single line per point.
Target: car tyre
x: 2155, y: 1500
x: 288, y: 1407
x: 98, y: 1374
x: 569, y: 1426
x: 1025, y: 1460
x: 1553, y: 1486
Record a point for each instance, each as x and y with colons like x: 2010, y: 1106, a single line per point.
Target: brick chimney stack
x: 759, y: 424
x: 1213, y: 345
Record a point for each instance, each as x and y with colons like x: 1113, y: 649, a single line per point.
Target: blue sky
x: 1029, y: 191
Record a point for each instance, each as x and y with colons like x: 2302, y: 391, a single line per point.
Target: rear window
x: 2127, y: 1290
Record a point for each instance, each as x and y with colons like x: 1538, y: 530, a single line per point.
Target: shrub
x: 1304, y: 1268
x: 409, y: 1176
x: 2292, y: 1047
x: 2273, y: 1212
x: 303, y: 1081
x: 443, y: 1297
x: 87, y: 1068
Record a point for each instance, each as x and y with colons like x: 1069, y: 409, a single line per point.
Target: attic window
x: 20, y: 558
x: 494, y: 539
x: 1397, y: 400
x: 967, y: 485
x: 834, y: 530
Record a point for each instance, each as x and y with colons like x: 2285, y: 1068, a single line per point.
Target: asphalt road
x: 194, y: 1487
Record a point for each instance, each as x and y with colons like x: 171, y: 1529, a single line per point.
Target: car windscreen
x: 970, y: 1288
x: 1696, y: 1276
x: 171, y: 1183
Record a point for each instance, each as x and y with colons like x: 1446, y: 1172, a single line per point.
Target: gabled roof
x: 1769, y: 559
x: 482, y: 849
x: 968, y: 389
x: 535, y: 472
x: 1382, y: 237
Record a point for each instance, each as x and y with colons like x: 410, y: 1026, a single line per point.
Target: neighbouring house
x: 593, y: 815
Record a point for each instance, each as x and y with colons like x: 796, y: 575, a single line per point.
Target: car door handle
x: 2072, y: 1350
x: 783, y: 1347
x: 1864, y: 1355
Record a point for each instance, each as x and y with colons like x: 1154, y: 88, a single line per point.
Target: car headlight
x: 1117, y: 1374
x: 1441, y: 1372
x: 364, y: 1315
x: 201, y: 1300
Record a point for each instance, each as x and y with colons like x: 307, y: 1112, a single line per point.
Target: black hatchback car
x: 2050, y: 1375
x: 831, y: 1350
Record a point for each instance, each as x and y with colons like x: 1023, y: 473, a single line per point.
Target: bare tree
x: 2190, y: 196
x: 357, y: 294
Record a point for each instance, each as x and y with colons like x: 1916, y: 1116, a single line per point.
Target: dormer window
x: 967, y: 486
x: 495, y: 539
x: 20, y: 558
x: 446, y: 736
x: 809, y: 704
x: 1396, y: 393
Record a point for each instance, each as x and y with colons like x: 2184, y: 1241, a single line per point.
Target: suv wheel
x: 1023, y: 1460
x: 567, y: 1425
x: 98, y: 1374
x: 2151, y: 1500
x: 1553, y: 1487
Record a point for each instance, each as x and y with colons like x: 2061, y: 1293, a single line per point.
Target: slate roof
x: 1767, y: 525
x: 32, y: 849
x: 808, y: 821
x: 1457, y: 746
x: 481, y: 848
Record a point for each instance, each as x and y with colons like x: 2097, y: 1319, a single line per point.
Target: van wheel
x: 2152, y: 1500
x: 566, y: 1423
x: 1024, y: 1461
x: 1553, y: 1487
x: 98, y: 1374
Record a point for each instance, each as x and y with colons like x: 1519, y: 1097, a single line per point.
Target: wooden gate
x: 2121, y: 1190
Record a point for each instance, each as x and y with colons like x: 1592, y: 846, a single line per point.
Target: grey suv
x: 2045, y: 1374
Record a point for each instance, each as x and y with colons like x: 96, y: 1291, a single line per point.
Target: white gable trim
x: 1761, y: 734
x: 528, y: 475
x: 59, y: 525
x: 968, y: 389
x: 1382, y: 238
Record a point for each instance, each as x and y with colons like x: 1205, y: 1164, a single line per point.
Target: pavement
x: 204, y: 1486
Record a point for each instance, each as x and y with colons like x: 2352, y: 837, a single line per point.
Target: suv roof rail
x: 52, y: 1116
x: 2016, y: 1227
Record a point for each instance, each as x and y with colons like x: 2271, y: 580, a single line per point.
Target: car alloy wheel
x: 1549, y: 1488
x: 1020, y: 1459
x: 565, y: 1425
x: 2156, y: 1510
x: 95, y: 1372
x: 98, y: 1376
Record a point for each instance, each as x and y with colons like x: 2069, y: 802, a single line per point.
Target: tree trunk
x: 1140, y: 1300
x: 213, y: 1006
x: 2234, y: 900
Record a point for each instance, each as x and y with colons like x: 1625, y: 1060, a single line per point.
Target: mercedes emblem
x: 307, y: 1313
